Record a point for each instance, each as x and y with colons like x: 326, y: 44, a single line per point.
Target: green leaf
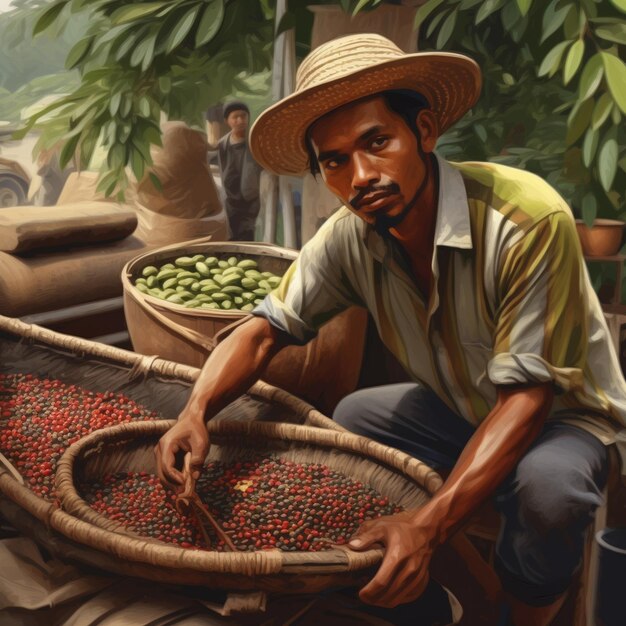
x: 287, y: 22
x: 616, y: 115
x: 181, y: 29
x: 446, y: 30
x: 589, y: 208
x: 612, y: 32
x: 486, y: 9
x: 144, y: 106
x: 68, y: 150
x: 553, y: 18
x: 572, y: 62
x: 165, y: 84
x: 591, y: 77
x: 116, y: 157
x: 481, y: 133
x: 210, y: 22
x: 524, y: 6
x: 432, y: 26
x: 615, y: 71
x: 48, y: 17
x: 424, y: 11
x: 134, y: 12
x: 552, y: 60
x: 359, y: 5
x: 114, y: 104
x: 87, y: 146
x: 578, y: 120
x: 156, y: 182
x: 601, y: 111
x: 143, y: 52
x: 508, y: 79
x: 78, y: 52
x: 607, y: 160
x: 590, y: 145
x: 620, y: 4
x: 137, y: 164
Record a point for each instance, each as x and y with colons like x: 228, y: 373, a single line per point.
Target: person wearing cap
x: 239, y: 172
x: 475, y: 279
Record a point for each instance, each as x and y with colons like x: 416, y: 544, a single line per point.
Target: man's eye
x: 379, y: 142
x: 333, y: 164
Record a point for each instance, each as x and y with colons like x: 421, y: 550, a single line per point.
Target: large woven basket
x: 158, y: 384
x: 129, y: 447
x: 322, y: 372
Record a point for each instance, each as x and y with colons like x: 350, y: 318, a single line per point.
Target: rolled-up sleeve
x: 314, y: 289
x: 541, y: 331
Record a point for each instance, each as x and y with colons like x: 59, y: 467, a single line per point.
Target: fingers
x: 367, y: 535
x: 166, y: 458
x: 393, y: 586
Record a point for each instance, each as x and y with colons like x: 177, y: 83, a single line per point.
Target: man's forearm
x: 490, y: 455
x: 235, y: 364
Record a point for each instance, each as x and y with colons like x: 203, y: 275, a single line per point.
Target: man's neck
x: 237, y: 137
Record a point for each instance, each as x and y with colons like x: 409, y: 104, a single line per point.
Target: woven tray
x: 129, y: 447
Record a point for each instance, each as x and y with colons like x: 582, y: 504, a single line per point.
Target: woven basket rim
x: 399, y: 462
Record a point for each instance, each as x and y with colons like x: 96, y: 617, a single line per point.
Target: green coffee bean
x: 192, y: 304
x: 187, y: 274
x: 216, y: 271
x: 150, y: 270
x: 186, y: 282
x: 267, y: 274
x: 247, y: 307
x: 226, y: 305
x: 195, y: 287
x: 247, y: 264
x: 259, y: 292
x: 218, y: 296
x: 152, y: 281
x: 176, y: 299
x: 258, y: 301
x: 168, y: 292
x: 249, y: 283
x: 165, y: 274
x: 197, y: 258
x: 170, y: 282
x: 210, y: 305
x: 232, y: 289
x: 238, y: 300
x: 185, y: 261
x: 223, y: 264
x: 219, y: 279
x: 274, y: 281
x: 233, y: 270
x: 211, y: 261
x: 248, y: 296
x: 203, y: 269
x: 232, y: 261
x: 254, y: 275
x: 168, y: 266
x: 141, y: 281
x: 231, y: 279
x: 142, y: 287
x: 263, y: 284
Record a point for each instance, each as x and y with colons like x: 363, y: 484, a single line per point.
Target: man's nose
x: 364, y: 174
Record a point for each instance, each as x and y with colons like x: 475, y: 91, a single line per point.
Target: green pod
x: 267, y: 274
x: 165, y: 274
x: 168, y: 266
x: 166, y: 293
x: 216, y: 271
x: 247, y: 307
x: 209, y: 289
x: 170, y: 282
x: 254, y: 275
x: 141, y: 281
x: 187, y: 274
x: 210, y: 305
x: 143, y: 288
x: 232, y: 289
x: 248, y: 296
x: 218, y: 296
x: 211, y: 261
x: 207, y: 281
x: 203, y: 297
x: 226, y: 305
x: 176, y: 299
x: 187, y: 282
x: 232, y: 261
x: 231, y: 279
x: 152, y: 281
x: 197, y: 258
x: 258, y: 301
x: 238, y: 300
x: 195, y: 287
x: 156, y: 293
x: 247, y: 264
x: 150, y: 270
x: 259, y: 292
x: 185, y: 261
x: 233, y: 270
x: 180, y: 288
x: 223, y: 264
x: 219, y: 279
x: 264, y: 284
x: 274, y: 281
x: 185, y: 295
x: 192, y: 304
x: 249, y: 283
x: 203, y: 269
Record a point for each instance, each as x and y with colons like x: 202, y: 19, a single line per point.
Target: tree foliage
x: 139, y: 59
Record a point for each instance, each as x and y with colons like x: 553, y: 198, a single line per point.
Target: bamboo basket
x: 129, y: 447
x: 322, y: 372
x: 158, y: 384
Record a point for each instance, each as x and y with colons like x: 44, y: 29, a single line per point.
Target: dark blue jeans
x: 546, y: 503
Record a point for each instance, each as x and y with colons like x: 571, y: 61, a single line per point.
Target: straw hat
x: 348, y: 68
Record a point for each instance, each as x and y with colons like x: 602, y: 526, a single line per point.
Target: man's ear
x: 428, y: 129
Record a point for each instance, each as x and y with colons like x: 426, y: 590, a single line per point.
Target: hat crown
x: 343, y: 56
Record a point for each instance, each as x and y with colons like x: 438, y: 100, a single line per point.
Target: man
x: 474, y: 276
x: 240, y: 173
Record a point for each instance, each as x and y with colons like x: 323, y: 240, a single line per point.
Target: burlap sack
x: 188, y: 189
x: 30, y: 228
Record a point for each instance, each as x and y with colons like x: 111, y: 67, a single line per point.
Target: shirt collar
x: 453, y: 222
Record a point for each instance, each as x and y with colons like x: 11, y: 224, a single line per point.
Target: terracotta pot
x: 604, y: 238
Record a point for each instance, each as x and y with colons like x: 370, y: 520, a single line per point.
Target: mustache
x: 390, y: 188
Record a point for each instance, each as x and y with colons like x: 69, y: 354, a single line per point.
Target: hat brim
x: 450, y: 82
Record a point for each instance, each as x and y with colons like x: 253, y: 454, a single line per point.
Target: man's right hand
x: 189, y: 435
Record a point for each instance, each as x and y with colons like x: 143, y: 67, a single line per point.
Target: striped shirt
x: 511, y: 304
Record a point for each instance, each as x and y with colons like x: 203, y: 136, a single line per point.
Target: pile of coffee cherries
x: 261, y: 503
x: 41, y: 417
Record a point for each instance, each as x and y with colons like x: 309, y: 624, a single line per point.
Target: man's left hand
x: 403, y: 573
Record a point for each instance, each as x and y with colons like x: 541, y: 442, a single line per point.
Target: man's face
x: 369, y: 158
x: 238, y: 120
